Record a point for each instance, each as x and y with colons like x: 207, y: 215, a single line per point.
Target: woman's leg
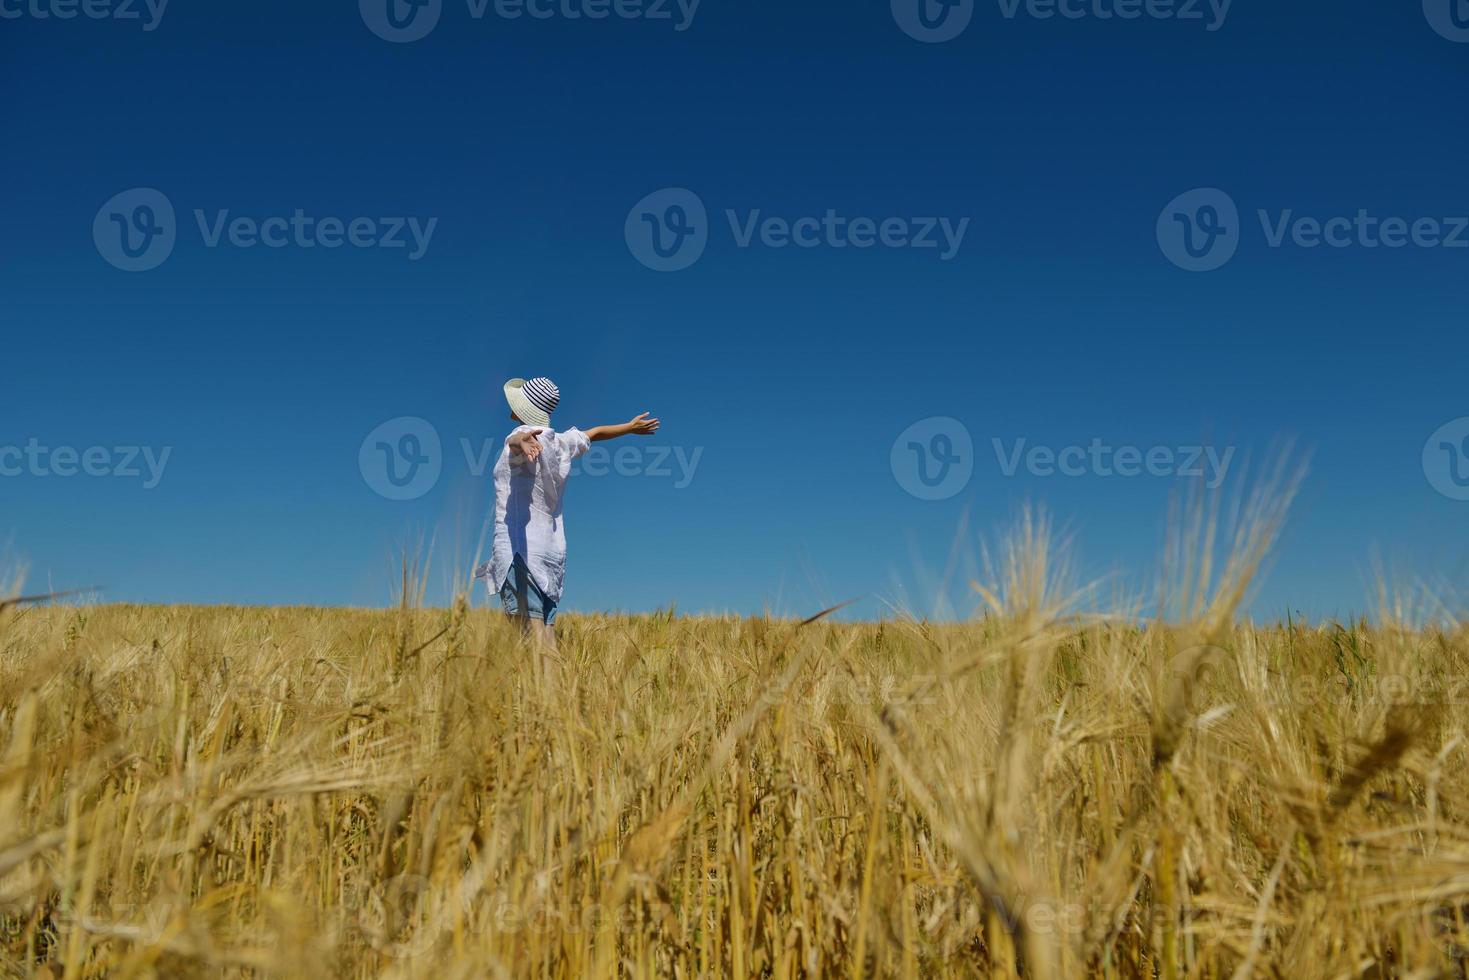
x: 545, y: 635
x: 514, y: 596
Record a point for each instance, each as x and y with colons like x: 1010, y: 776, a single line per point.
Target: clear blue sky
x: 793, y: 370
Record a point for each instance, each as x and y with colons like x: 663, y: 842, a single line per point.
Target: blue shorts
x: 522, y: 597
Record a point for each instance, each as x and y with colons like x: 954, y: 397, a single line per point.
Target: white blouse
x: 528, y: 502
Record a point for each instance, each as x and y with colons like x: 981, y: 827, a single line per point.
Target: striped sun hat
x: 533, y: 401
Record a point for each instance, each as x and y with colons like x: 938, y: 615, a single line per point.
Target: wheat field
x: 1037, y: 792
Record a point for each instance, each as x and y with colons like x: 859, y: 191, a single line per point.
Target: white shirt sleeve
x: 515, y: 432
x: 573, y: 442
